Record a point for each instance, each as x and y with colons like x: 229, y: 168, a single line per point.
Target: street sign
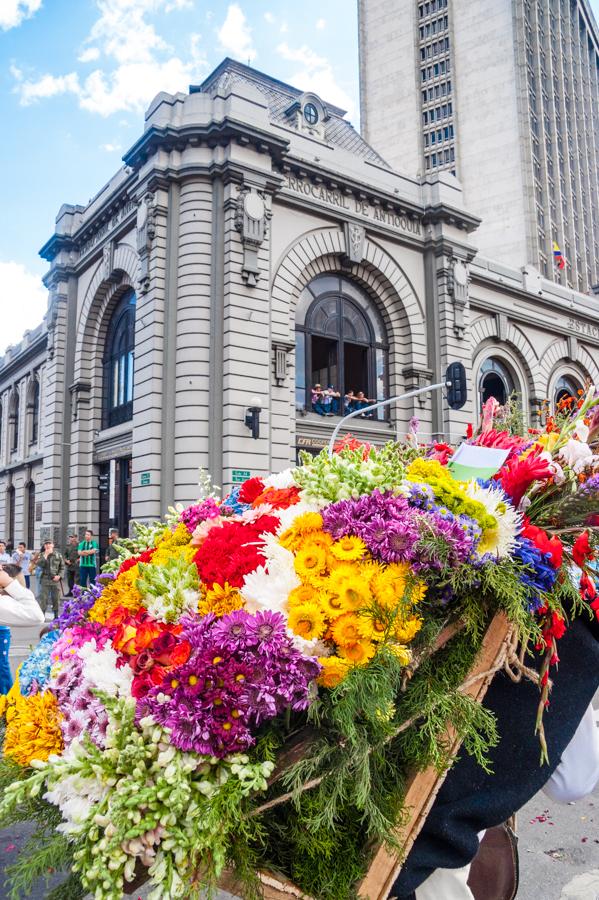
x: 240, y: 475
x: 145, y: 479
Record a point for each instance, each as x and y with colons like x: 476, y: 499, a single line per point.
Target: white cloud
x: 235, y: 35
x: 269, y: 18
x: 111, y: 148
x: 137, y: 62
x: 89, y: 55
x: 284, y: 28
x: 320, y: 24
x: 13, y: 12
x: 316, y: 74
x: 25, y: 296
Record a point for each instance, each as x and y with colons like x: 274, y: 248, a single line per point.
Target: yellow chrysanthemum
x: 122, y: 592
x: 302, y: 594
x: 176, y: 538
x: 334, y: 670
x: 307, y: 620
x: 33, y: 729
x: 369, y: 568
x: 310, y: 561
x: 349, y: 548
x: 333, y: 605
x: 380, y: 628
x: 359, y: 653
x: 340, y: 572
x: 353, y: 592
x: 307, y: 523
x: 220, y: 600
x: 406, y: 631
x: 349, y: 629
x: 166, y: 551
x: 402, y: 653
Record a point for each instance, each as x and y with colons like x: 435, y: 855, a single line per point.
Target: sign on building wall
x: 240, y: 475
x: 38, y: 511
x: 145, y: 479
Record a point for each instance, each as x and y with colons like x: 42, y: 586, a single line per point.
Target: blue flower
x: 35, y: 671
x: 538, y: 575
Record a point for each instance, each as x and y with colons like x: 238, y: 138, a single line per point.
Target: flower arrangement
x: 147, y: 733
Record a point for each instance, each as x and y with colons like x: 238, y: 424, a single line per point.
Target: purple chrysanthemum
x: 194, y: 515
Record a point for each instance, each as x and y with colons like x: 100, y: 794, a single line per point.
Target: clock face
x: 253, y: 205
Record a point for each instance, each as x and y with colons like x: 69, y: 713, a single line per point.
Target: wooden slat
x: 424, y: 786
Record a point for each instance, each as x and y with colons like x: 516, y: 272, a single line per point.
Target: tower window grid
x: 438, y: 129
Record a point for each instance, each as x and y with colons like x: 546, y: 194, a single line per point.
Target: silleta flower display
x: 147, y: 732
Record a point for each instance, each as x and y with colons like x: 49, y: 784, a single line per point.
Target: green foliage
x: 45, y: 853
x: 170, y: 589
x: 347, y: 474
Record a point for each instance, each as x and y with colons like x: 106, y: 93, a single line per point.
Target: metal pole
x: 359, y: 412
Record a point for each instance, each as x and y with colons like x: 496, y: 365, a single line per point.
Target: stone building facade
x: 252, y: 245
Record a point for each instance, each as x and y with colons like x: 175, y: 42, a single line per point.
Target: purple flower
x: 193, y: 515
x: 76, y: 608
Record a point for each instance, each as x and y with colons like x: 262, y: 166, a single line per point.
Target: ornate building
x: 252, y: 246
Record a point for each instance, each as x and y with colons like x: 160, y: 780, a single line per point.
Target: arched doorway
x: 566, y: 388
x: 495, y: 380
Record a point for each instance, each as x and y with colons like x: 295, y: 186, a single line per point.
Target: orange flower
x: 33, y: 729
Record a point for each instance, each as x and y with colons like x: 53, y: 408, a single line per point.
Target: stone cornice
x: 212, y: 134
x: 452, y: 216
x: 24, y: 358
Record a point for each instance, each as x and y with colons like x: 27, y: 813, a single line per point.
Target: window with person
x: 118, y: 363
x: 495, y: 380
x: 566, y: 388
x: 341, y: 347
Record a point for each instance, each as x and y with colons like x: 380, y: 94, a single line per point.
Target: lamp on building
x: 252, y: 417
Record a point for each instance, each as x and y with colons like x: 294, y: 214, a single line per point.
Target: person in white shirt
x: 18, y: 606
x: 4, y: 556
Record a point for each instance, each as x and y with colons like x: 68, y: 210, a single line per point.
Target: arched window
x: 495, y: 380
x: 30, y: 514
x: 13, y: 421
x: 118, y: 363
x: 34, y: 408
x: 566, y: 387
x: 340, y: 342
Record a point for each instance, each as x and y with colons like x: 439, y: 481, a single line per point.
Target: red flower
x: 250, y: 489
x: 501, y: 440
x: 588, y: 591
x: 553, y: 546
x: 582, y: 550
x: 469, y: 431
x: 144, y: 557
x: 230, y: 552
x: 442, y: 453
x: 554, y: 629
x: 349, y: 442
x: 517, y: 475
x: 278, y: 498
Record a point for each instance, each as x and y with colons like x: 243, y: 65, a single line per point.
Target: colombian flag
x: 558, y: 259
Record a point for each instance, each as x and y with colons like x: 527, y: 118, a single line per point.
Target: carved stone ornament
x: 80, y: 395
x: 416, y: 378
x: 457, y: 287
x: 145, y: 231
x: 250, y: 221
x: 355, y: 238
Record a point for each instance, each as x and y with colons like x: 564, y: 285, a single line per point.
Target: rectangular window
x: 434, y: 159
x: 427, y: 161
x: 425, y: 117
x: 446, y: 156
x: 426, y: 140
x: 433, y: 137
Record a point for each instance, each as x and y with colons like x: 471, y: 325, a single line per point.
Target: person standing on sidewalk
x: 71, y: 561
x: 18, y: 606
x: 51, y: 563
x: 88, y: 551
x: 111, y: 550
x: 22, y: 558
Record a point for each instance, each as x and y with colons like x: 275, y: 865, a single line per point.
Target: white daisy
x: 498, y: 541
x: 281, y: 480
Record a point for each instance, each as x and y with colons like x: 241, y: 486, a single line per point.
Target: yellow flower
x: 302, y: 594
x: 340, y: 573
x: 353, y: 592
x: 348, y: 547
x: 333, y: 605
x: 359, y: 653
x: 176, y: 538
x: 310, y: 562
x: 407, y: 631
x: 33, y: 729
x: 350, y: 628
x: 369, y: 569
x: 334, y: 670
x: 122, y: 592
x: 307, y: 620
x: 307, y: 523
x: 220, y: 600
x: 402, y: 653
x: 166, y: 551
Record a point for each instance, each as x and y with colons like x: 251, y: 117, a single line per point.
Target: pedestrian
x: 5, y: 557
x: 88, y: 552
x: 317, y: 398
x: 349, y: 402
x: 112, y: 550
x: 71, y: 562
x: 18, y: 606
x: 51, y: 563
x: 22, y: 558
x: 361, y: 402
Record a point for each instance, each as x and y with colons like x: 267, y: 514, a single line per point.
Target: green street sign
x: 145, y: 479
x: 240, y: 475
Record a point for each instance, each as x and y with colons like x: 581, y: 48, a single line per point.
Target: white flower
x: 281, y: 480
x: 498, y: 541
x: 269, y: 586
x: 582, y: 431
x: 313, y: 647
x: 288, y: 516
x: 100, y: 668
x: 577, y: 455
x: 76, y: 797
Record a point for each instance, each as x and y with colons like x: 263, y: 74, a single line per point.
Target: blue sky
x: 76, y: 76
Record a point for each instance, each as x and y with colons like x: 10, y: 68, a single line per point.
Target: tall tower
x: 504, y: 95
